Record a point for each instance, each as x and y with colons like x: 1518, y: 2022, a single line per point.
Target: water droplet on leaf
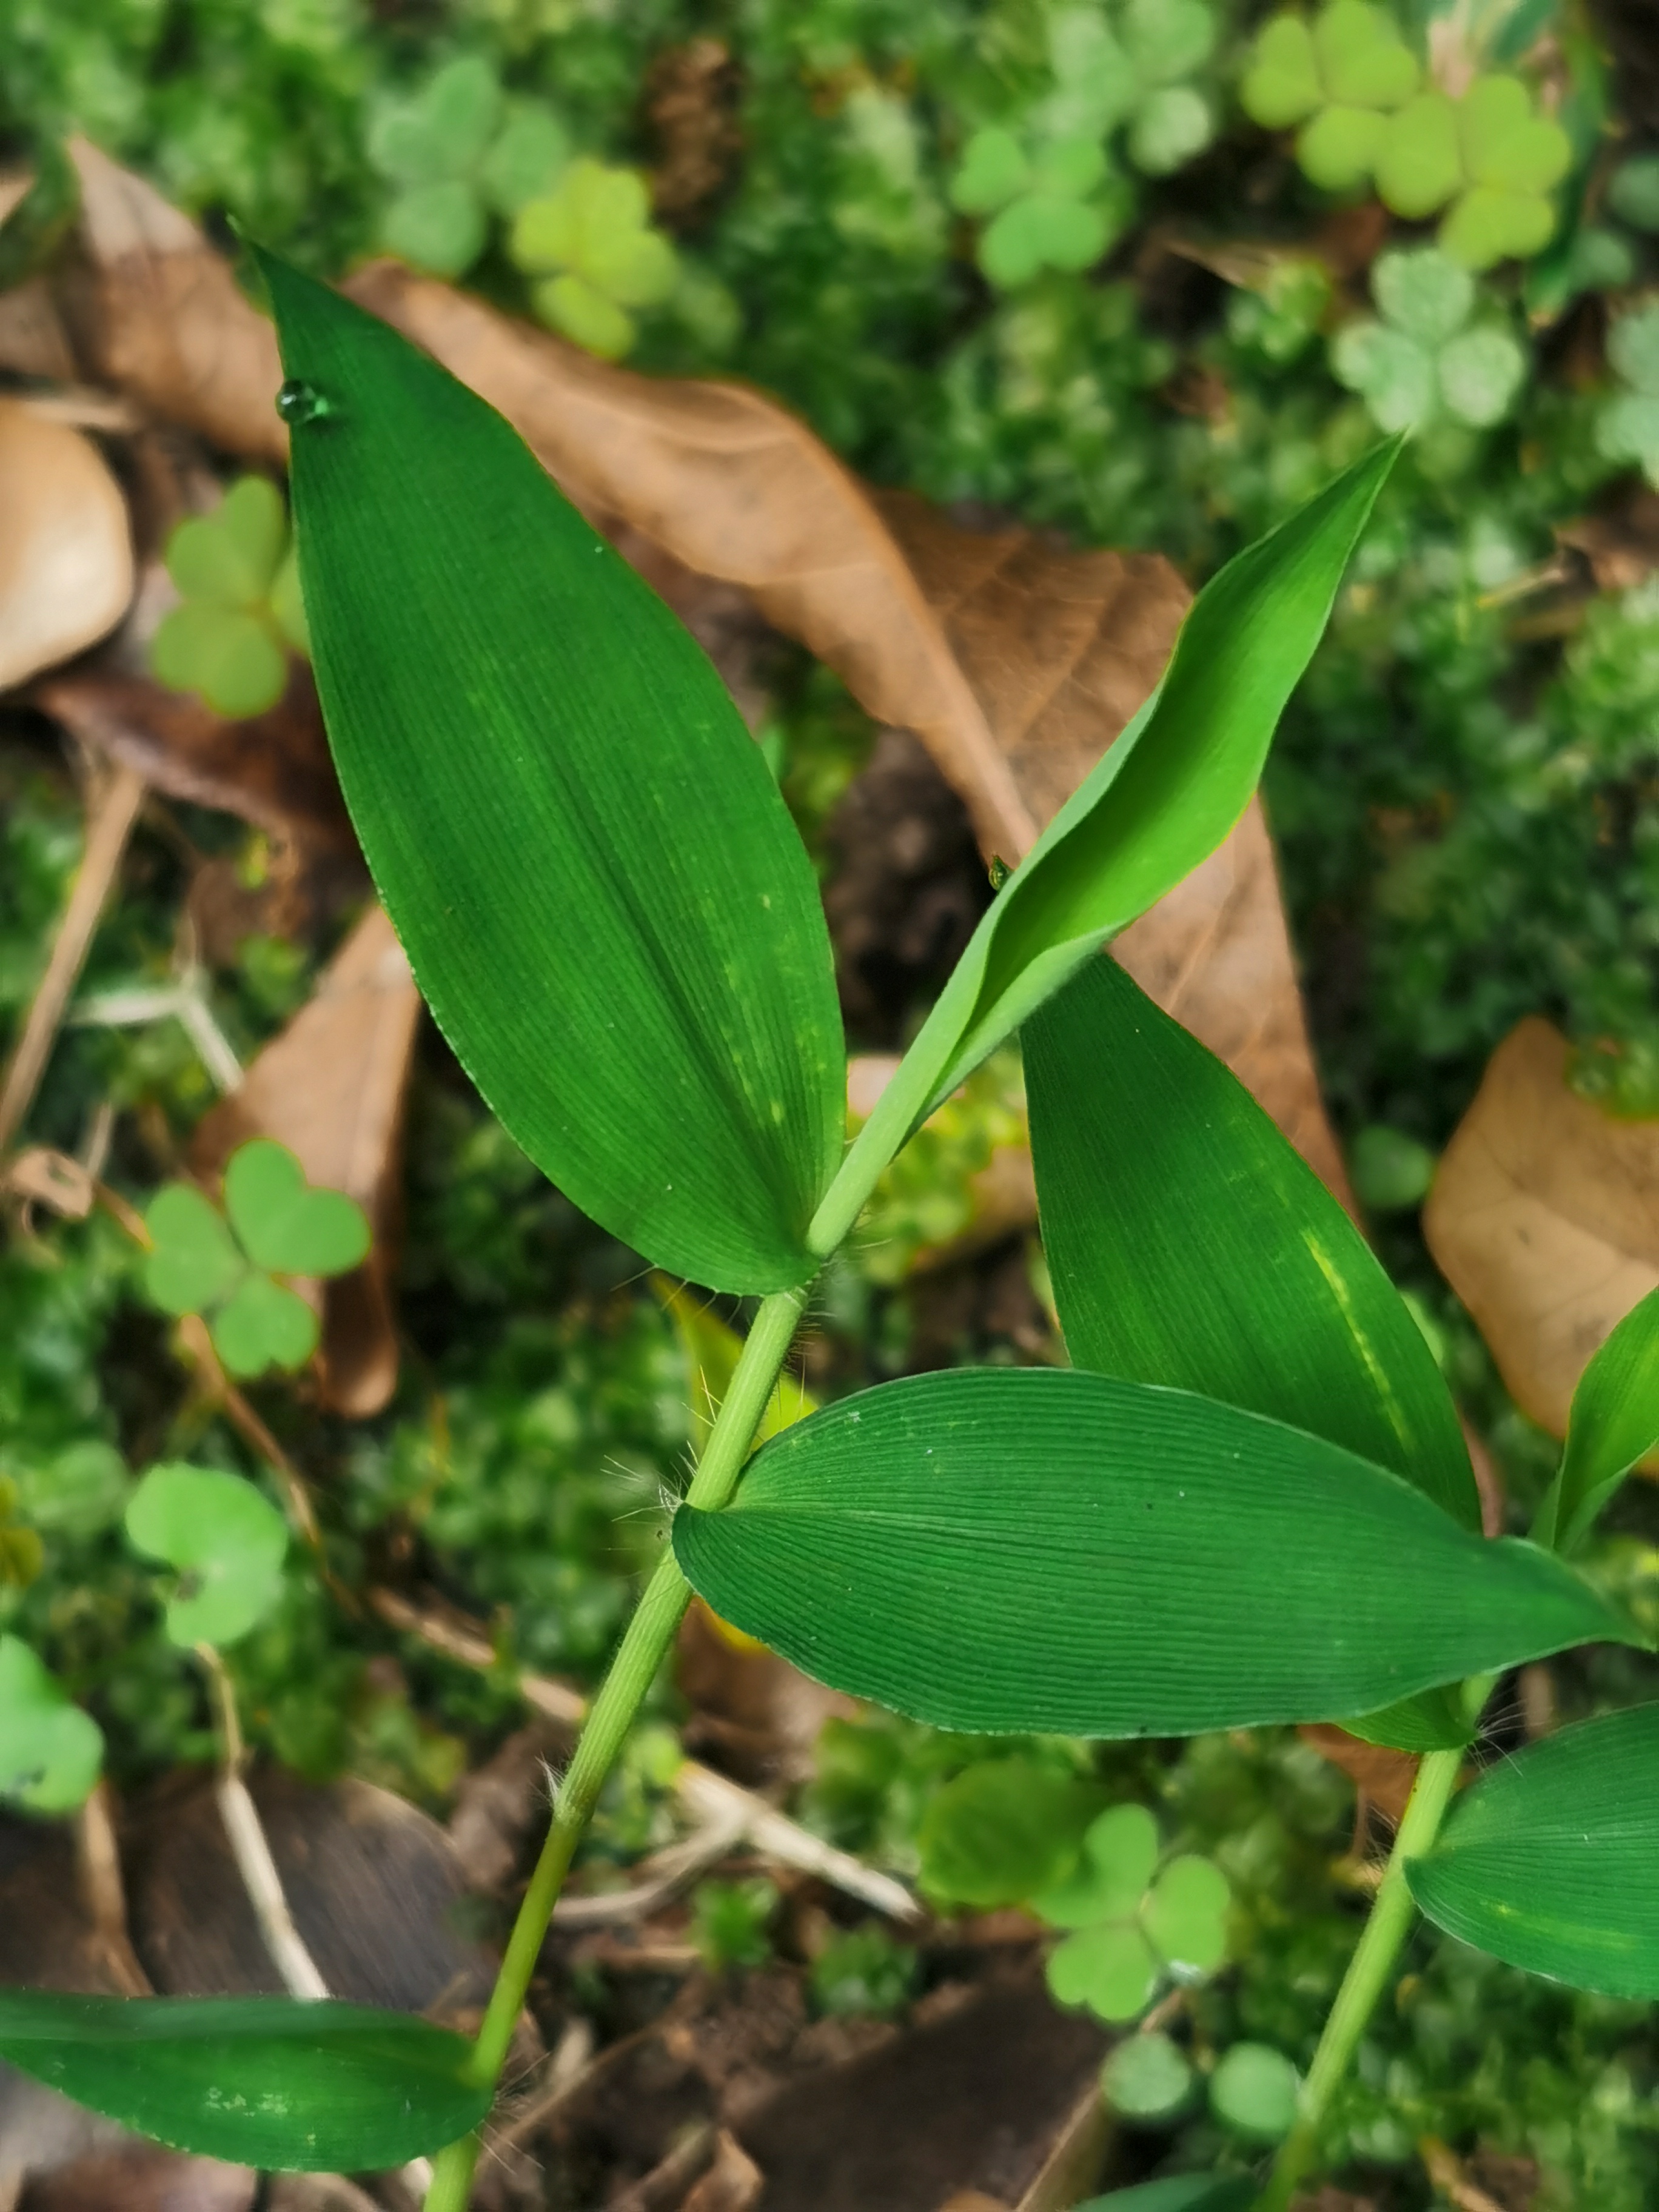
x: 299, y: 403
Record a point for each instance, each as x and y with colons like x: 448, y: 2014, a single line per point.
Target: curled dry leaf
x: 1383, y: 1777
x: 331, y: 1088
x: 65, y: 552
x: 152, y: 310
x: 1544, y: 1218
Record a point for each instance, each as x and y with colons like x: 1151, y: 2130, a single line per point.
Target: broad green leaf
x: 225, y: 1540
x: 49, y: 1750
x: 1114, y: 1869
x: 1547, y: 1861
x: 1615, y: 1422
x: 589, y: 864
x: 1159, y: 802
x: 265, y: 2081
x: 1042, y: 1549
x: 1181, y: 2192
x: 263, y: 1324
x: 1001, y: 1831
x: 282, y: 1223
x: 193, y: 1261
x: 1190, y: 1243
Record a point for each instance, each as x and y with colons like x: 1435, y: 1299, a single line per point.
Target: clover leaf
x: 1627, y: 428
x: 1130, y: 68
x: 225, y: 1540
x: 1428, y: 357
x: 1058, y: 207
x: 590, y: 245
x: 278, y: 1225
x: 456, y: 151
x: 1147, y: 2078
x: 1254, y: 2091
x: 240, y: 614
x: 50, y: 1751
x: 1489, y: 159
x: 1340, y: 78
x: 1132, y: 1926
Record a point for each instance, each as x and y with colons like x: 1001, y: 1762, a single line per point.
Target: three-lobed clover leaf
x: 223, y: 1538
x: 1627, y: 428
x: 240, y: 613
x: 1132, y: 68
x: 590, y: 246
x: 50, y: 1751
x: 1492, y: 156
x: 1057, y: 206
x: 1339, y: 78
x: 1430, y: 354
x: 455, y: 152
x: 1132, y: 1925
x: 200, y: 1262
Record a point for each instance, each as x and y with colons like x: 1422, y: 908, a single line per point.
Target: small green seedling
x: 590, y: 246
x: 1131, y: 1924
x: 224, y: 1540
x: 1627, y: 428
x: 863, y: 1974
x: 241, y: 613
x: 1432, y: 355
x: 456, y: 152
x: 231, y: 1267
x: 1247, y: 1501
x: 50, y: 1752
x: 729, y: 1922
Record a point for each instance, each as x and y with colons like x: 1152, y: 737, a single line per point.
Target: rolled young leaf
x: 1159, y: 802
x: 1190, y: 1243
x: 1614, y: 1423
x: 1042, y: 1549
x: 1547, y: 1861
x: 586, y: 857
x: 265, y: 2081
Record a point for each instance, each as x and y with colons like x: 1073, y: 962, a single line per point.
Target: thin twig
x: 710, y: 1799
x: 665, y: 1873
x: 98, y: 1861
x: 108, y: 829
x: 1445, y: 2171
x: 251, y: 1848
x: 194, y: 1335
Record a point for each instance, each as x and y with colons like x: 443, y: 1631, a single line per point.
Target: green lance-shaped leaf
x: 1042, y: 1549
x: 226, y: 1542
x: 1159, y: 802
x: 1548, y: 1861
x: 1615, y: 1422
x: 583, y: 851
x: 1190, y: 1243
x: 263, y: 2082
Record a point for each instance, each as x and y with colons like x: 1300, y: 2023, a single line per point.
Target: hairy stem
x: 1368, y: 1973
x: 611, y: 1715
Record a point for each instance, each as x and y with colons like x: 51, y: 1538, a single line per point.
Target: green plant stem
x: 1368, y: 1973
x: 610, y: 1716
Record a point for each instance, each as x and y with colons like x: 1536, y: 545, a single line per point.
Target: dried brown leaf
x: 152, y: 310
x: 66, y: 550
x: 331, y: 1088
x: 273, y: 769
x: 1544, y: 1218
x: 141, y: 2176
x: 1385, y: 1777
x: 732, y: 2183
